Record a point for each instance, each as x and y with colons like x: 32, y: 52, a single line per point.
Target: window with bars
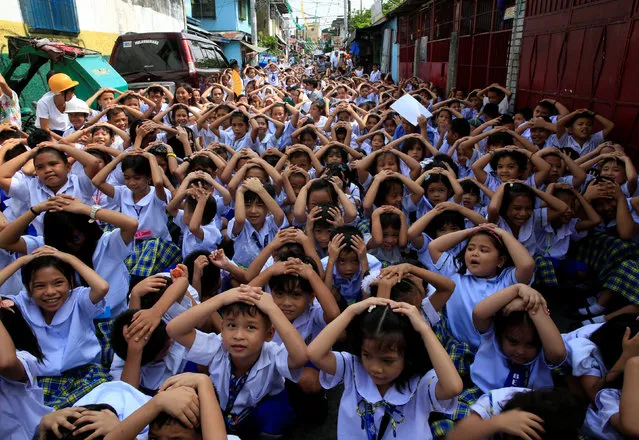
x: 57, y: 16
x: 203, y: 8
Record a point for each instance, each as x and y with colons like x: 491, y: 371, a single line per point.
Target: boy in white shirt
x: 247, y: 370
x: 375, y: 75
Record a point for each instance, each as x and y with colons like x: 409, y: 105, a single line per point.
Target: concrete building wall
x: 101, y: 21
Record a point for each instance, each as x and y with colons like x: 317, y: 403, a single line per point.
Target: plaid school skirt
x: 460, y: 352
x: 103, y: 329
x: 151, y: 256
x: 64, y: 390
x: 441, y: 424
x: 614, y: 261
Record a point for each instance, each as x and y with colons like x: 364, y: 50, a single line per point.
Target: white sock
x: 594, y: 320
x: 594, y: 309
x: 592, y: 300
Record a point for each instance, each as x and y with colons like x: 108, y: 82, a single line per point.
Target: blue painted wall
x: 232, y: 50
x: 392, y: 24
x: 227, y: 17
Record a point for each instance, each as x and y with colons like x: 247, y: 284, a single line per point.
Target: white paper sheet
x: 409, y: 108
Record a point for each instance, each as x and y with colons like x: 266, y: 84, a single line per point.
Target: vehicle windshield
x: 148, y: 55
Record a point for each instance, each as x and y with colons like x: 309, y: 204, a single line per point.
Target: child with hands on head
x: 247, y: 370
x: 22, y: 403
x: 389, y: 235
x: 62, y: 318
x: 520, y: 343
x: 348, y: 264
x: 397, y: 374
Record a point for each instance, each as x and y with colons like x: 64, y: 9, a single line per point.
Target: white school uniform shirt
x: 554, y: 243
x: 47, y: 109
x: 22, y: 403
x: 585, y: 358
x: 285, y: 140
x: 149, y: 211
x: 273, y: 78
x: 13, y: 285
x: 492, y: 403
x: 208, y: 136
x: 503, y: 105
x: 190, y: 243
x: 266, y: 377
x: 412, y: 406
x: 14, y: 206
x: 31, y: 191
x: 490, y: 368
x: 69, y: 341
x: 108, y: 262
x: 375, y: 76
x: 492, y: 181
x: 308, y: 324
x: 261, y: 145
x: 124, y: 399
x: 250, y: 242
x: 597, y: 422
x: 469, y: 290
x: 153, y: 374
x: 351, y: 289
x: 527, y: 235
x: 567, y: 141
x: 237, y: 144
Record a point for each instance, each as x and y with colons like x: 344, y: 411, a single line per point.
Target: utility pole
x: 345, y: 20
x: 254, y: 21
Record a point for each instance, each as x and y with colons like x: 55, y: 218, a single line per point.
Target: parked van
x: 166, y: 57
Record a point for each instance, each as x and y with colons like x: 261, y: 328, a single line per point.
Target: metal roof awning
x: 257, y: 49
x: 197, y: 30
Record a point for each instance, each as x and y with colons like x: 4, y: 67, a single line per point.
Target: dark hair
x: 390, y: 330
x: 384, y: 188
x: 149, y: 300
x: 9, y: 134
x: 177, y: 145
x: 445, y: 218
x: 29, y: 269
x: 503, y: 322
x: 186, y: 87
x: 240, y: 308
x: 62, y: 156
x: 460, y: 126
x: 491, y: 111
x: 470, y: 187
x: 20, y: 332
x: 501, y: 248
x: 608, y: 339
x: 322, y: 185
x: 210, y: 280
x: 440, y: 159
x: 59, y: 228
x: 165, y: 419
x: 250, y: 196
x: 404, y: 291
x: 373, y: 168
x: 320, y: 104
x: 311, y: 82
x: 348, y: 232
x: 103, y: 156
x: 513, y: 190
x: 520, y: 159
x: 335, y: 148
x: 390, y: 220
x: 138, y: 164
x: 154, y: 345
x: 37, y: 136
x: 437, y: 178
x: 210, y: 208
x: 133, y: 130
x: 563, y: 412
x: 175, y: 109
x: 15, y: 152
x: 412, y: 142
x: 526, y: 112
x: 72, y: 435
x: 288, y: 283
x: 584, y: 115
x: 506, y: 119
x: 324, y: 216
x: 548, y: 106
x: 499, y: 139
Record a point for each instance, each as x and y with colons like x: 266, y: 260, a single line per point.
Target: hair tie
x: 7, y: 304
x: 370, y: 308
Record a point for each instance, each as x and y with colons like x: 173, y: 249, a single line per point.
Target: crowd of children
x: 199, y: 264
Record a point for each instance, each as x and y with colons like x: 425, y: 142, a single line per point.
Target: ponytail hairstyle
x: 20, y: 332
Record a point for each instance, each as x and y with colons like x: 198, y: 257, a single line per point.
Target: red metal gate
x: 585, y: 52
x: 484, y: 39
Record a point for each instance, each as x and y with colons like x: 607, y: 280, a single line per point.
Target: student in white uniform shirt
x: 398, y: 375
x: 247, y: 370
x: 53, y: 176
x: 62, y: 319
x: 523, y: 413
x: 520, y: 343
x: 196, y: 220
x: 21, y: 398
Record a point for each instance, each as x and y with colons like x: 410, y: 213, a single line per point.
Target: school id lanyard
x: 235, y: 386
